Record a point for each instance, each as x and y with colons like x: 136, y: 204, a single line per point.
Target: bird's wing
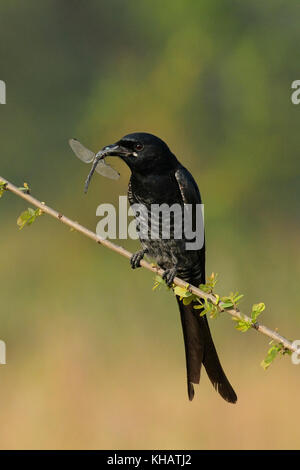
x: 191, y: 196
x: 188, y: 188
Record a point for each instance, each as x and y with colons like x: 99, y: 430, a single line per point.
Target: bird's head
x: 142, y: 152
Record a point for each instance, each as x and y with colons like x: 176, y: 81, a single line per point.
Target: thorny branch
x: 234, y: 312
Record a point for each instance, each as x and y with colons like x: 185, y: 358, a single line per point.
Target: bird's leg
x: 137, y: 257
x: 169, y: 274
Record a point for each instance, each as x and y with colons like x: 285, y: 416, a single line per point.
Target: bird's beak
x: 114, y: 150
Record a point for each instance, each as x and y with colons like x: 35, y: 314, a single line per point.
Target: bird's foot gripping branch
x: 204, y: 298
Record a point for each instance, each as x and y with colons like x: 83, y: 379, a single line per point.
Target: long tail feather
x: 200, y: 349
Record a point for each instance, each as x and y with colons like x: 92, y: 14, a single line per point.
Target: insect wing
x: 106, y: 170
x: 84, y: 154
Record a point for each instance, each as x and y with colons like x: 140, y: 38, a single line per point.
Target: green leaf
x: 208, y: 308
x: 159, y: 282
x: 2, y: 188
x: 257, y: 309
x: 210, y: 283
x: 271, y: 355
x: 214, y: 312
x: 28, y: 217
x: 182, y: 292
x: 242, y: 325
x: 227, y: 304
x: 198, y: 307
x: 25, y: 188
x: 237, y: 298
x: 275, y: 349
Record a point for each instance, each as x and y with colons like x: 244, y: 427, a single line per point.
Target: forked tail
x: 200, y: 349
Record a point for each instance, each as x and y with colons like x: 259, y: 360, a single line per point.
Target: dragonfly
x: 87, y: 156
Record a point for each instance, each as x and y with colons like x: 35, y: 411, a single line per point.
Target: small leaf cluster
x: 2, y: 188
x: 159, y: 282
x: 210, y: 284
x: 208, y: 308
x: 25, y: 188
x: 28, y: 217
x: 243, y: 325
x: 185, y: 295
x: 275, y: 349
x: 232, y: 300
x: 213, y: 308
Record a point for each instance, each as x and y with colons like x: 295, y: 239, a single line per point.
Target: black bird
x: 157, y: 177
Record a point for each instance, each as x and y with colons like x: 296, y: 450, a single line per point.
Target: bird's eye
x: 138, y: 147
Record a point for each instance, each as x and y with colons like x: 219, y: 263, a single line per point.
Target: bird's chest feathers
x: 155, y: 189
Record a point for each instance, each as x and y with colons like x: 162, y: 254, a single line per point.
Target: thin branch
x: 121, y: 251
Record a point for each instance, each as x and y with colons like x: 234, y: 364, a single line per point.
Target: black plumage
x: 157, y: 177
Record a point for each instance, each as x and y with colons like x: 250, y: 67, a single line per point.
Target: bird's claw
x: 169, y: 275
x: 136, y: 259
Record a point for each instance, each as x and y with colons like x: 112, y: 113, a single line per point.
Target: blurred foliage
x: 89, y: 363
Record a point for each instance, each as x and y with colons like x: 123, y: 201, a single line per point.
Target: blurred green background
x: 95, y: 359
